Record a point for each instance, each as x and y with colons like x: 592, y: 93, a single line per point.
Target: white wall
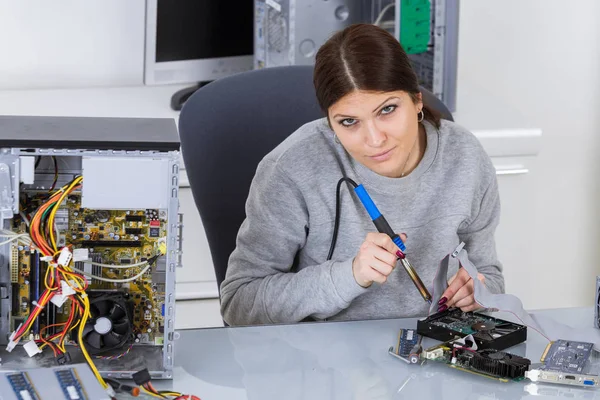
x: 544, y: 57
x: 69, y: 43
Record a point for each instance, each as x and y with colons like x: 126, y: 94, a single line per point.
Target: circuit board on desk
x: 109, y: 237
x: 489, y: 363
x: 567, y: 356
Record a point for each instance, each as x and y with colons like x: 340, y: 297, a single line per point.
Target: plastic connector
x: 66, y: 289
x: 63, y: 359
x: 141, y: 377
x: 58, y: 300
x: 111, y: 392
x: 11, y: 343
x: 31, y: 348
x: 123, y: 388
x: 65, y: 257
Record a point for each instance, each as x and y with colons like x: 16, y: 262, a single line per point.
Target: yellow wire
x: 83, y: 320
x: 150, y: 393
x: 55, y: 208
x: 77, y: 279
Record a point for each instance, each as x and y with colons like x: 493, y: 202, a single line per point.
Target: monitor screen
x: 196, y: 29
x: 191, y: 41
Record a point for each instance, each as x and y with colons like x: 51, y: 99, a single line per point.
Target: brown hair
x: 364, y: 57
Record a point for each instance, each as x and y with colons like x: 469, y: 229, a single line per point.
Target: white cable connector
x: 58, y: 300
x: 111, y: 392
x: 12, y: 344
x: 65, y: 257
x: 31, y: 348
x: 66, y: 290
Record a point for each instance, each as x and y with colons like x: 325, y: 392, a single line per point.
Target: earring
x: 335, y: 138
x: 422, y: 116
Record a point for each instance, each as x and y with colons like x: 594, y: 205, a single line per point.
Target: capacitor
x: 75, y: 213
x: 127, y: 212
x: 135, y: 238
x: 116, y: 237
x: 20, y: 248
x: 137, y: 340
x: 111, y: 235
x: 139, y: 335
x: 86, y: 237
x: 149, y: 330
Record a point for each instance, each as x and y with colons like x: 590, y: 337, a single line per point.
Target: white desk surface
x: 343, y: 360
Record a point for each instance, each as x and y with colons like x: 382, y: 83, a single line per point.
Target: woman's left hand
x: 460, y: 292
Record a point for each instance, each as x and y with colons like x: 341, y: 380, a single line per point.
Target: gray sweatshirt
x: 279, y: 273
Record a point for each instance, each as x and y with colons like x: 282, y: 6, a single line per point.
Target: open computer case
x: 121, y: 224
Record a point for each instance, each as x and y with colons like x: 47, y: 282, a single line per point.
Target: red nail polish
x: 442, y: 308
x: 400, y: 254
x: 442, y: 300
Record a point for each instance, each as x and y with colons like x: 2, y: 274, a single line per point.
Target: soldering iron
x: 382, y: 226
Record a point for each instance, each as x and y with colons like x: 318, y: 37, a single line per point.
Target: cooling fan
x: 488, y: 332
x: 110, y: 326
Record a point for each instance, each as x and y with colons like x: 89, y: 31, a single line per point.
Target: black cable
x: 338, y: 206
x: 37, y: 162
x: 55, y: 173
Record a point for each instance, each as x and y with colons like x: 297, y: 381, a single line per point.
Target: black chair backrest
x: 228, y: 126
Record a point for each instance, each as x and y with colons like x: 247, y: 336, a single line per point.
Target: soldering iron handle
x: 378, y: 219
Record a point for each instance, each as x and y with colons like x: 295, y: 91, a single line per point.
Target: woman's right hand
x: 376, y: 259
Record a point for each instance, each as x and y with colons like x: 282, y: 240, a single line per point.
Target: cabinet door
x: 516, y: 228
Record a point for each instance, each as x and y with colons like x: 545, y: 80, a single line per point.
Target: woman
x: 431, y: 179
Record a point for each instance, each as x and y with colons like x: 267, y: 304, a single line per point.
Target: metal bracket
x: 6, y: 192
x: 180, y: 240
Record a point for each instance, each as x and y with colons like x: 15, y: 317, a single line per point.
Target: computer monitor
x: 193, y: 41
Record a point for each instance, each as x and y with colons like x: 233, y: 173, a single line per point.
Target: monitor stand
x: 182, y: 95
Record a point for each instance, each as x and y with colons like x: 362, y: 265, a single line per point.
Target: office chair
x: 228, y: 126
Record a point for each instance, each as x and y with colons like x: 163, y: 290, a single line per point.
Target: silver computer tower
x: 125, y: 212
x: 289, y: 32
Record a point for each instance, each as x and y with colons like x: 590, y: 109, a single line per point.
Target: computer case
x: 290, y: 32
x: 125, y: 213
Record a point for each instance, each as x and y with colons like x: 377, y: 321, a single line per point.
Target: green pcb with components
x: 415, y: 25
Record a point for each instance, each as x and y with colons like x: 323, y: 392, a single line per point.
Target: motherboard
x: 116, y: 250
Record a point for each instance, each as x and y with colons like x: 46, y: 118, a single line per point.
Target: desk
x: 342, y: 360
